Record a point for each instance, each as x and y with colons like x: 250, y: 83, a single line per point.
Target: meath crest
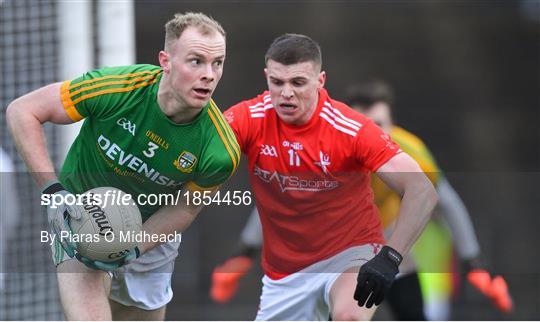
x: 185, y: 162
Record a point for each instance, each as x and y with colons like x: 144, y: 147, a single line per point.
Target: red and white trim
x: 339, y: 121
x: 258, y: 109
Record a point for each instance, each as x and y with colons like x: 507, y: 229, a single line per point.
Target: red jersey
x: 311, y: 182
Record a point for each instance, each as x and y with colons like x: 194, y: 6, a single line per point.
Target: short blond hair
x: 181, y: 21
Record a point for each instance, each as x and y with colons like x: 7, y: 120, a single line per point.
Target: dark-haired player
x: 310, y: 158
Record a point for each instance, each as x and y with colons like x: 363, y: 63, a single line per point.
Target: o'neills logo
x: 98, y: 215
x: 157, y: 139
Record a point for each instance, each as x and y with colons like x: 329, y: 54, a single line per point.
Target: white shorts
x: 305, y: 295
x: 145, y: 282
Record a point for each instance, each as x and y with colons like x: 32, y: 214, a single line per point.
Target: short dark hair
x: 289, y: 49
x: 366, y: 94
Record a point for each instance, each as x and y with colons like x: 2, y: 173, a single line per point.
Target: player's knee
x: 122, y: 312
x: 351, y: 314
x: 85, y: 279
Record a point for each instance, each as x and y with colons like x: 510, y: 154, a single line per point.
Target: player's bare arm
x: 403, y: 175
x: 170, y: 220
x: 25, y: 117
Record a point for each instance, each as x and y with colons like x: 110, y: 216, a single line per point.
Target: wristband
x: 52, y: 186
x: 391, y: 254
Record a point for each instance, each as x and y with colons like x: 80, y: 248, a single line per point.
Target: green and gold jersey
x: 127, y: 142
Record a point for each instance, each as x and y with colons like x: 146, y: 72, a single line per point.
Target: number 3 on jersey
x: 152, y: 147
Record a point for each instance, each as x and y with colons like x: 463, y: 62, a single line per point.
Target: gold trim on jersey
x: 67, y: 96
x: 113, y: 90
x: 93, y: 80
x: 228, y: 130
x: 192, y: 186
x: 118, y: 82
x: 68, y: 104
x: 229, y: 144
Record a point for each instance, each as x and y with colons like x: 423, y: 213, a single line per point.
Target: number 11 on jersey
x: 294, y: 158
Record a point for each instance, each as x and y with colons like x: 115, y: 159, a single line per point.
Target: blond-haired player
x: 147, y: 129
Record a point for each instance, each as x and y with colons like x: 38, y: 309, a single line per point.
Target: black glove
x: 376, y: 276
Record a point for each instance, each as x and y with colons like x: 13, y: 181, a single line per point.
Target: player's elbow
x: 20, y: 117
x: 430, y: 195
x: 13, y: 114
x: 421, y: 190
x: 16, y: 116
x: 9, y: 111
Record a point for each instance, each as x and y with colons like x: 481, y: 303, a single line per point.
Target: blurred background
x: 466, y: 76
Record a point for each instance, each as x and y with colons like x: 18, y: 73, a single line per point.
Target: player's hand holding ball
x: 59, y: 215
x: 376, y: 277
x: 100, y: 229
x: 110, y: 266
x: 112, y: 220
